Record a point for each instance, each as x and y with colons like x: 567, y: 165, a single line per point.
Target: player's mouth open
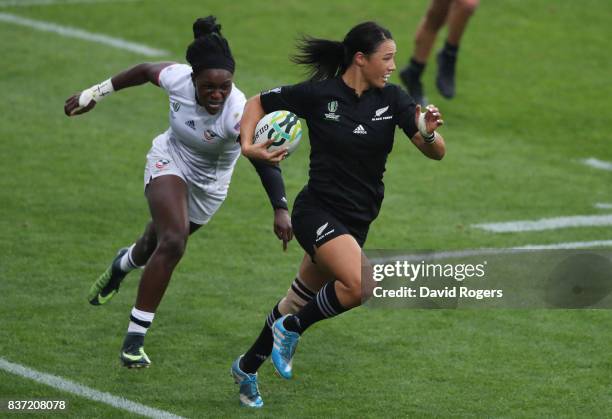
x: 214, y: 105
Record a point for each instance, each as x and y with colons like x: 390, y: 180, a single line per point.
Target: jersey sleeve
x: 169, y: 77
x: 296, y: 98
x: 272, y: 181
x: 405, y: 109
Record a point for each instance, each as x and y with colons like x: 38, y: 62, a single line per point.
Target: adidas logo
x: 190, y: 124
x: 359, y: 130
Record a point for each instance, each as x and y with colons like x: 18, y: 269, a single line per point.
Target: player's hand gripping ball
x: 282, y: 127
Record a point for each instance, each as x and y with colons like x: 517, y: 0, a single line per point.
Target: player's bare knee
x: 468, y: 6
x: 172, y: 245
x: 435, y: 16
x: 350, y: 288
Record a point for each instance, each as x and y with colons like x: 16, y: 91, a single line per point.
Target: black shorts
x: 314, y: 224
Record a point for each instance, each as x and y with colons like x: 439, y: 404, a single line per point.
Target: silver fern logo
x: 321, y: 229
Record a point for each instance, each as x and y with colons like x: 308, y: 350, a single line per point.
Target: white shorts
x: 204, y: 199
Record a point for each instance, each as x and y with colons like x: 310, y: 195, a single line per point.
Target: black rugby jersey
x: 350, y: 138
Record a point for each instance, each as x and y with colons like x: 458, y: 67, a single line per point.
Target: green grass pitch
x: 534, y: 97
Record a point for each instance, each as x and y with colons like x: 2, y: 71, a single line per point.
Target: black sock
x: 324, y: 305
x: 416, y: 68
x: 261, y: 349
x: 450, y: 50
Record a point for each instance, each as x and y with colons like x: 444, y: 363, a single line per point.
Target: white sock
x: 126, y: 264
x: 140, y: 321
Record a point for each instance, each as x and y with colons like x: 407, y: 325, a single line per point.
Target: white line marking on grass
x: 83, y: 391
x: 597, y: 164
x: 417, y: 257
x: 603, y: 205
x: 547, y: 223
x: 81, y: 34
x: 27, y: 3
x: 570, y: 245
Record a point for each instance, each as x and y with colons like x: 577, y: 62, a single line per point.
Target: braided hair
x: 209, y: 48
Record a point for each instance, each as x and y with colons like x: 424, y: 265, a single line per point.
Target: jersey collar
x: 351, y: 92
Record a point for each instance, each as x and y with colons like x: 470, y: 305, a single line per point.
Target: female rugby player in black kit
x: 351, y: 112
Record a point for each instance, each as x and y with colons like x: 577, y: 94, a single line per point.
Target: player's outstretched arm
x: 427, y: 139
x: 253, y: 112
x: 139, y: 74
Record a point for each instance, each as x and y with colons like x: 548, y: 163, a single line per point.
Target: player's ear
x: 359, y: 59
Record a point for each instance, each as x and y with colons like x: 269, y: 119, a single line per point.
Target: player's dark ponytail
x: 326, y: 59
x: 209, y: 48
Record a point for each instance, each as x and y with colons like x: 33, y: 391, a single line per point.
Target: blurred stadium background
x: 533, y: 104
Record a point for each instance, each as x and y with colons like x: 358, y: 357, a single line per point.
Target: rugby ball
x: 283, y: 127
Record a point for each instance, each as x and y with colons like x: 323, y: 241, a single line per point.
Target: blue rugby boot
x: 107, y: 284
x: 249, y: 392
x: 285, y: 344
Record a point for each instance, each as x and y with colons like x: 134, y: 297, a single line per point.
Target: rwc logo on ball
x: 281, y: 132
x: 282, y: 127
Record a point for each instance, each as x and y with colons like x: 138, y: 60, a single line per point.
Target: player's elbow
x: 437, y: 149
x: 438, y: 154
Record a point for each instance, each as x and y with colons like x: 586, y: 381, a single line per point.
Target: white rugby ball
x: 283, y: 127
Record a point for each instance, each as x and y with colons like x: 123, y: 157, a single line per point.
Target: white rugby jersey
x: 204, y: 146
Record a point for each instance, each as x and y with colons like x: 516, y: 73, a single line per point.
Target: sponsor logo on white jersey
x: 161, y: 163
x: 210, y: 135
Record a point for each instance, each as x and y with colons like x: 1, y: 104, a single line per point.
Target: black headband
x: 216, y: 61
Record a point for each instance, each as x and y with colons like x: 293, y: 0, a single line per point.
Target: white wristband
x: 96, y: 92
x: 422, y: 126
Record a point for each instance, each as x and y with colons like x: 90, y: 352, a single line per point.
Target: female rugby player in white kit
x: 187, y: 173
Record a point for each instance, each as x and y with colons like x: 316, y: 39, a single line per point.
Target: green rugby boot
x: 133, y: 354
x: 107, y: 284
